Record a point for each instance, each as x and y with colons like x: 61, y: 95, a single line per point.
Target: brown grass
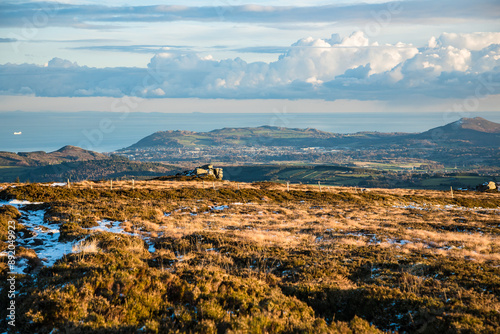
x: 345, y: 253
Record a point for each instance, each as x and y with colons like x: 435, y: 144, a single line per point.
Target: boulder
x: 205, y: 170
x: 487, y: 186
x: 218, y: 173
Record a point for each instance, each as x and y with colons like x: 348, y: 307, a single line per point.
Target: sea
x: 108, y: 131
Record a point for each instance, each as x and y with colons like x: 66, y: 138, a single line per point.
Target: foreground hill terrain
x: 225, y: 257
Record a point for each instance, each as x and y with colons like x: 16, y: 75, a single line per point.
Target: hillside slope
x: 114, y: 168
x: 75, y: 164
x: 39, y: 158
x: 469, y: 131
x: 258, y: 136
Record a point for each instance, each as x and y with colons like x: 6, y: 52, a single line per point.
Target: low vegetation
x: 115, y: 167
x: 224, y: 257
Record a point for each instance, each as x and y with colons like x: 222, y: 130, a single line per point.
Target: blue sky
x: 357, y: 55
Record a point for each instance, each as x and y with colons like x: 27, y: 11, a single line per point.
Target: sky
x: 240, y: 56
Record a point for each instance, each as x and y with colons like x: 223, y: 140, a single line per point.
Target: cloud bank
x: 353, y: 67
x: 98, y: 16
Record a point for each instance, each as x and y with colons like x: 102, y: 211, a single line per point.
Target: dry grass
x: 86, y: 246
x: 345, y: 252
x: 385, y: 224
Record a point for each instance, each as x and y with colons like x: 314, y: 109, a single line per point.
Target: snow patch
x: 45, y: 236
x: 219, y: 208
x: 20, y: 267
x: 109, y: 226
x: 17, y: 203
x: 45, y: 239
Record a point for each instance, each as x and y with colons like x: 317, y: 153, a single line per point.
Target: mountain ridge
x: 66, y: 153
x: 473, y: 131
x: 478, y: 124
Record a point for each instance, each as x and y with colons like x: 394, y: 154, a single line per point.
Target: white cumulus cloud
x: 476, y: 41
x: 353, y: 67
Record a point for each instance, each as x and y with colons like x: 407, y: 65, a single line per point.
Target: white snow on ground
x: 115, y: 227
x: 58, y: 184
x: 45, y: 240
x: 219, y: 208
x: 449, y: 207
x: 109, y: 226
x: 21, y: 265
x: 399, y: 243
x: 17, y: 203
x: 408, y: 207
x: 151, y: 246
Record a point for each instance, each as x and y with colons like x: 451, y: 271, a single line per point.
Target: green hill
x: 473, y: 131
x: 259, y: 136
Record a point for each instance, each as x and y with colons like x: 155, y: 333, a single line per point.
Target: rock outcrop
x: 205, y: 170
x: 488, y: 186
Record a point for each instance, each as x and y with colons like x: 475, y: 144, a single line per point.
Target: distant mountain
x: 470, y: 131
x: 258, y: 136
x: 75, y: 164
x: 478, y: 124
x: 40, y: 158
x: 475, y: 131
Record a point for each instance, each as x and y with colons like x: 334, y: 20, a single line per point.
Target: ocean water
x: 107, y: 132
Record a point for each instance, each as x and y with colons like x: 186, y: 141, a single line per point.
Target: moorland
x: 229, y: 257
